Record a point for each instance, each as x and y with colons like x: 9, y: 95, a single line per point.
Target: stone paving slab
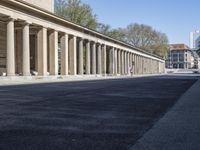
x: 179, y: 129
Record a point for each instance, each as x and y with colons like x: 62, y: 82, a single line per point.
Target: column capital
x: 104, y: 46
x: 112, y: 48
x: 26, y: 22
x: 93, y: 42
x: 42, y: 27
x: 80, y: 38
x: 73, y: 35
x: 10, y: 19
x: 63, y: 34
x: 53, y: 30
x: 98, y: 44
x: 88, y: 40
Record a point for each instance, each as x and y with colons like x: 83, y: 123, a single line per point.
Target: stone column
x: 131, y: 60
x: 64, y: 54
x: 42, y: 52
x: 141, y: 70
x: 115, y: 61
x: 139, y: 60
x: 88, y: 70
x: 128, y: 63
x: 136, y: 64
x: 93, y: 58
x: 26, y: 50
x: 149, y: 66
x: 80, y: 57
x: 10, y: 62
x: 73, y: 55
x: 133, y: 63
x: 53, y: 53
x: 144, y: 65
x: 119, y: 62
x: 104, y: 60
x: 122, y: 62
x: 111, y: 61
x: 99, y: 65
x: 125, y: 63
x: 141, y: 65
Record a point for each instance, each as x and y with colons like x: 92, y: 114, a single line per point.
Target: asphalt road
x: 88, y: 115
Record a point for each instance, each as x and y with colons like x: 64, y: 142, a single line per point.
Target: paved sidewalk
x: 179, y: 129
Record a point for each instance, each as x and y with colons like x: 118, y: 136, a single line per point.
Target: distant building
x: 180, y: 56
x: 194, y: 40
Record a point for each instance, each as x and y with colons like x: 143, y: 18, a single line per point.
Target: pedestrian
x: 132, y: 69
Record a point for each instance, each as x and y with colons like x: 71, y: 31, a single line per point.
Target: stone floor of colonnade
x: 21, y: 80
x: 87, y: 115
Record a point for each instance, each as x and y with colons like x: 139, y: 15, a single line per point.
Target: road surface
x: 88, y: 115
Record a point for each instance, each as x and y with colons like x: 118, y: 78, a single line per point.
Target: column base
x: 10, y: 75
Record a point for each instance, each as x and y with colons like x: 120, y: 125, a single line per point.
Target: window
x: 181, y: 57
x: 175, y: 57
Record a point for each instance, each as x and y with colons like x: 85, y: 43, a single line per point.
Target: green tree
x: 77, y: 12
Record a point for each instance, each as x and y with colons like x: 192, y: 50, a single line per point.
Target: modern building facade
x: 195, y: 40
x: 180, y: 56
x: 33, y: 39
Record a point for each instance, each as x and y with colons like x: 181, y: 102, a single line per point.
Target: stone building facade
x: 180, y: 56
x: 44, y: 4
x: 33, y: 39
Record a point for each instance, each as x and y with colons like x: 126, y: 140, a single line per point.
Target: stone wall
x: 45, y: 4
x: 2, y: 48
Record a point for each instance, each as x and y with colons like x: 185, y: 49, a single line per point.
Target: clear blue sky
x: 176, y: 18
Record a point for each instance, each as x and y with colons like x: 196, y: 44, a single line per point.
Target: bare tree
x: 147, y: 38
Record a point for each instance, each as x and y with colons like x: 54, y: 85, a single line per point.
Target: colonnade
x: 78, y: 55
